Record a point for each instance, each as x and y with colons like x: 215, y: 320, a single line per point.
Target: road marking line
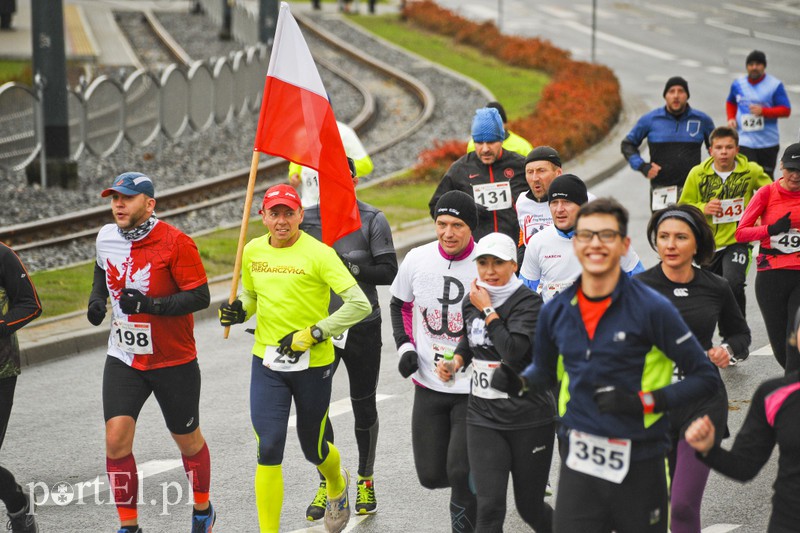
x: 792, y: 88
x: 601, y: 13
x: 636, y: 47
x: 764, y: 350
x: 558, y: 12
x: 690, y: 63
x: 717, y: 70
x: 750, y: 33
x: 747, y: 11
x: 340, y: 407
x: 99, y: 485
x: 782, y: 8
x: 673, y: 12
x: 721, y: 528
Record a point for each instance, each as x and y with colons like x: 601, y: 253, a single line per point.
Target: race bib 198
x: 279, y: 362
x: 132, y: 337
x: 663, y: 197
x: 482, y: 372
x: 752, y: 122
x: 732, y: 211
x: 493, y: 196
x: 599, y: 457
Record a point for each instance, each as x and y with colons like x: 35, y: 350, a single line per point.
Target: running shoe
x: 365, y: 496
x: 126, y: 530
x: 316, y: 510
x: 202, y: 523
x: 23, y: 521
x: 337, y: 512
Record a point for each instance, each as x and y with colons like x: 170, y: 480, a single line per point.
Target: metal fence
x: 138, y: 109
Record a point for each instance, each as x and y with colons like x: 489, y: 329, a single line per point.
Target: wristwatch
x: 648, y: 401
x: 317, y: 334
x: 731, y: 356
x: 488, y: 311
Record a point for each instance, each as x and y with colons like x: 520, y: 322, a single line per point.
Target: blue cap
x: 131, y: 184
x: 487, y: 126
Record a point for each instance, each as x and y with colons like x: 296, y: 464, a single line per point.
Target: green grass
x: 517, y: 89
x: 400, y: 203
x: 18, y: 71
x: 66, y: 290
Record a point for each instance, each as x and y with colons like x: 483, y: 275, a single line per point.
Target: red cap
x: 281, y: 194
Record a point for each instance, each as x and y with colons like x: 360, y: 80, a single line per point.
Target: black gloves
x: 612, y: 400
x: 96, y: 312
x: 506, y: 380
x: 133, y: 302
x: 782, y: 225
x: 231, y: 313
x: 409, y: 363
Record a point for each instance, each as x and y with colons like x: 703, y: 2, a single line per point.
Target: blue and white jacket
x: 637, y: 341
x: 675, y: 143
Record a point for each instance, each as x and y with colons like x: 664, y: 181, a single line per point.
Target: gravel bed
x: 197, y: 155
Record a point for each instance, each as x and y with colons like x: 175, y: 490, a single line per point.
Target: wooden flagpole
x: 248, y: 202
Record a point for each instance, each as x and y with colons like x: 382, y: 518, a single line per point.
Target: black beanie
x: 756, y: 56
x: 457, y: 204
x: 544, y: 153
x: 568, y: 187
x: 676, y: 80
x: 500, y: 110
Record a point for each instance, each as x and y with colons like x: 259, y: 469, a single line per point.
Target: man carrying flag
x: 287, y: 277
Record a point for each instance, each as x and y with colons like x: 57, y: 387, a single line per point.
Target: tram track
x: 377, y: 123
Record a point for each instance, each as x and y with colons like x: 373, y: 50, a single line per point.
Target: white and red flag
x: 297, y: 123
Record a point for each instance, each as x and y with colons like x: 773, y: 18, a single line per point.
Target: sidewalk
x: 91, y: 35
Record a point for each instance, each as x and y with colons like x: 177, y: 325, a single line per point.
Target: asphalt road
x: 55, y: 437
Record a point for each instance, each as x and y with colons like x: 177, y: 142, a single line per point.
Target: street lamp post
x: 49, y: 67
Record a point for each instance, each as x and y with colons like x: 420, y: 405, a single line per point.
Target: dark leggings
x: 526, y: 453
x: 439, y: 439
x: 271, y: 396
x: 10, y: 492
x: 732, y: 263
x: 7, y: 386
x: 766, y: 157
x: 362, y: 359
x: 778, y: 296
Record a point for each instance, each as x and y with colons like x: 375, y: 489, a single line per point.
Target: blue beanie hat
x: 487, y: 126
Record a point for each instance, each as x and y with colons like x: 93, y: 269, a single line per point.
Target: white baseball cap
x: 498, y: 245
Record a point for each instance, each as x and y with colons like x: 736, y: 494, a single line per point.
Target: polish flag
x: 297, y: 123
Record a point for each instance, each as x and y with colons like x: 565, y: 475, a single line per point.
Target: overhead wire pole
x: 49, y: 65
x: 594, y: 28
x: 267, y: 20
x: 500, y: 15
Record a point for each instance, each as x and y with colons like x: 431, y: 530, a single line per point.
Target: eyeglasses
x: 605, y: 235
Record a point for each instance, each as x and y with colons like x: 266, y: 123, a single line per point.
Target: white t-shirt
x: 436, y: 286
x: 534, y: 216
x: 551, y: 259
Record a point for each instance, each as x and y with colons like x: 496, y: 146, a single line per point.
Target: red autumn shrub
x: 577, y: 108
